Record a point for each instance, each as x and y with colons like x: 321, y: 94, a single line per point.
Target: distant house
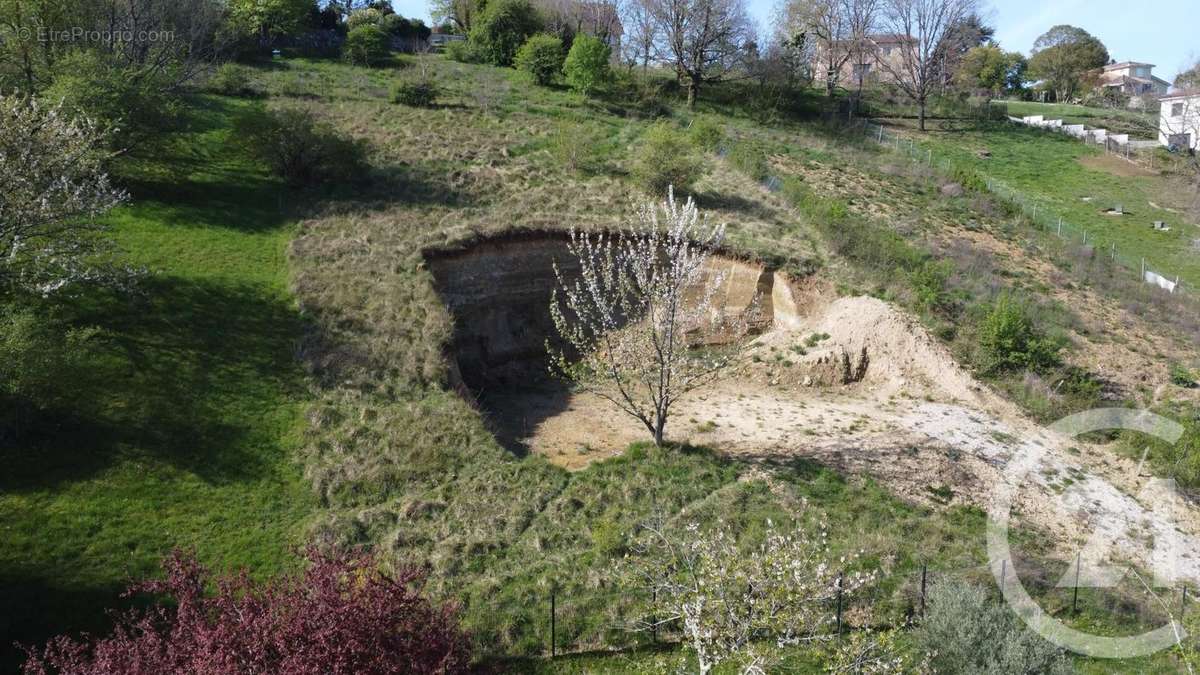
x: 871, y: 62
x: 1179, y: 121
x: 440, y: 40
x: 1133, y: 79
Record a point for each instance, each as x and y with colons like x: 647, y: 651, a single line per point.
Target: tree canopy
x: 1063, y: 56
x: 992, y: 69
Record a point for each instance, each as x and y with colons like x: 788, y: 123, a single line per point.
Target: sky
x: 1151, y: 31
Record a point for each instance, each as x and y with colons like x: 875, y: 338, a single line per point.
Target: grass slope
x: 190, y: 433
x: 1048, y: 169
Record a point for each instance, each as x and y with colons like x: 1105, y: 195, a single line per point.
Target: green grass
x: 1138, y: 123
x: 1046, y: 169
x: 190, y: 433
x: 193, y: 440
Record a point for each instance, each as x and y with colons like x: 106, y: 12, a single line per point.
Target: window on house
x: 1176, y: 110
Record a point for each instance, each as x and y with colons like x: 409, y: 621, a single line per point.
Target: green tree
x: 1189, y: 79
x: 587, y: 66
x: 1063, y: 56
x: 265, y: 19
x: 666, y: 158
x: 366, y: 45
x: 542, y: 57
x: 991, y: 68
x: 1010, y: 340
x: 503, y: 28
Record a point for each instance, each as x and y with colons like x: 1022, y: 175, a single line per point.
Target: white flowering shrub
x: 53, y: 189
x: 643, y: 302
x: 729, y: 599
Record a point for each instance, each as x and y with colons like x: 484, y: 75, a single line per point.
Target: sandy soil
x: 911, y: 418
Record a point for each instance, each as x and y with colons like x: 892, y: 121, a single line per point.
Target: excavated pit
x: 498, y: 292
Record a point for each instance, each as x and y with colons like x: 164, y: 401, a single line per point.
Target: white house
x: 1179, y: 121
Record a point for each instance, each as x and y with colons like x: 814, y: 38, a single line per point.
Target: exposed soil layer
x: 854, y: 383
x: 499, y: 292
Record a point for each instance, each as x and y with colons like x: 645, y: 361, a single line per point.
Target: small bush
x: 542, y: 57
x: 90, y: 84
x: 665, y: 158
x: 966, y: 632
x: 42, y: 364
x: 706, y: 133
x: 580, y: 148
x: 928, y: 283
x: 341, y: 614
x: 300, y: 148
x: 503, y: 27
x: 366, y: 45
x: 586, y: 66
x: 750, y: 160
x: 231, y: 79
x: 1182, y: 377
x: 462, y: 51
x: 1010, y: 341
x: 417, y: 94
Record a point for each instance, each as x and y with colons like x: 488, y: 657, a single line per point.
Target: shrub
x: 300, y: 148
x: 231, y: 79
x: 542, y: 57
x: 665, y: 158
x: 965, y: 632
x: 418, y: 94
x: 928, y: 284
x: 42, y: 365
x: 367, y: 16
x: 503, y: 28
x: 580, y: 148
x: 463, y: 52
x: 586, y: 66
x: 342, y: 614
x: 1009, y: 339
x: 366, y: 45
x: 133, y: 108
x: 751, y: 160
x: 706, y: 133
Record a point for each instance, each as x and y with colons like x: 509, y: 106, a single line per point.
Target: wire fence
x: 562, y: 622
x: 1042, y: 217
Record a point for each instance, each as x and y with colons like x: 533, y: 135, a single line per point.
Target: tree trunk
x: 659, y: 428
x: 693, y: 90
x: 921, y: 114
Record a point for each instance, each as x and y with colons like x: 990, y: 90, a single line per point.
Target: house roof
x: 1180, y: 94
x: 1126, y: 64
x: 890, y: 38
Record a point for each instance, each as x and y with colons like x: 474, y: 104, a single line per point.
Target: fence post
x: 1060, y: 227
x: 1143, y: 268
x: 653, y: 619
x: 1075, y: 599
x: 553, y: 628
x: 924, y: 570
x: 1003, y: 575
x: 839, y: 605
x: 1182, y: 603
x: 881, y: 133
x: 1114, y: 250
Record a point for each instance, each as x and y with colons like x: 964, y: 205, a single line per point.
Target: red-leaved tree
x: 341, y: 615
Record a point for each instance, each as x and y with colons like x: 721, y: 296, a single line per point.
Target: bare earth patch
x: 1115, y: 166
x: 911, y: 417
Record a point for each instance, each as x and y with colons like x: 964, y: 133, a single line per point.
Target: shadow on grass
x: 190, y: 373
x: 35, y: 609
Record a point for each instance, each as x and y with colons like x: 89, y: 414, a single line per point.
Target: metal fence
x: 563, y: 622
x: 1042, y: 217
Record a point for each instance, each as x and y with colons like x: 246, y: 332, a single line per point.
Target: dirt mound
x: 866, y: 340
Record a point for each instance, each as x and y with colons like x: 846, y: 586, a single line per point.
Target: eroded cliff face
x: 498, y: 291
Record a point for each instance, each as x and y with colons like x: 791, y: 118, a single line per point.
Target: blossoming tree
x: 639, y: 321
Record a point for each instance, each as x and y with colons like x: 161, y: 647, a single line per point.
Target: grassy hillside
x: 1137, y: 123
x: 1065, y: 178
x: 194, y: 404
x: 262, y: 392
